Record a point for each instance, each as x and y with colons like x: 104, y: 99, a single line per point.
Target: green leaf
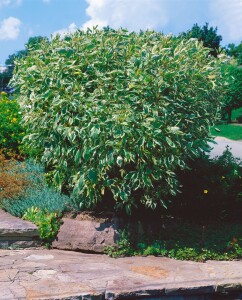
x: 86, y: 153
x: 92, y: 175
x: 170, y: 143
x: 77, y: 157
x: 120, y: 160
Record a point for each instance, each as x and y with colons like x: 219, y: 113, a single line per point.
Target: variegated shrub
x: 113, y: 112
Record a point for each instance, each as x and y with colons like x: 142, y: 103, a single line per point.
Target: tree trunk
x: 229, y: 111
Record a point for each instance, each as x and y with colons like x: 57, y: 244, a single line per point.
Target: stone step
x: 17, y: 233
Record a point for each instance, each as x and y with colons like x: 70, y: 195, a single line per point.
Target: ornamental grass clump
x: 114, y: 114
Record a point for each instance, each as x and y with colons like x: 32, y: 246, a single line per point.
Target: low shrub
x: 36, y: 194
x: 11, y: 130
x: 48, y: 222
x: 211, y: 189
x: 40, y: 198
x: 13, y: 181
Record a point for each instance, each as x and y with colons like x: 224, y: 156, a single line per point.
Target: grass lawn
x: 230, y: 131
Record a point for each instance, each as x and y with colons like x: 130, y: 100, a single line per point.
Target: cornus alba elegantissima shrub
x: 116, y: 113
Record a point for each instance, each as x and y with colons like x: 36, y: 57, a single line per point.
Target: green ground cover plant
x: 184, y: 241
x: 113, y: 114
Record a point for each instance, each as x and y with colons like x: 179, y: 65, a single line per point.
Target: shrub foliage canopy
x: 11, y: 130
x: 116, y: 113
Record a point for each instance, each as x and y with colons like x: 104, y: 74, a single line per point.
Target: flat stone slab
x: 82, y: 234
x: 12, y: 226
x: 56, y: 274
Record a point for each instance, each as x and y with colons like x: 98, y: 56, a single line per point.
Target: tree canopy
x: 6, y: 76
x: 208, y: 35
x: 235, y: 51
x: 232, y: 92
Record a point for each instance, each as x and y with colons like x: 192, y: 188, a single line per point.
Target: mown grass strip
x: 230, y: 131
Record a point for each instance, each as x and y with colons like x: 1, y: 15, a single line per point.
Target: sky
x: 21, y: 19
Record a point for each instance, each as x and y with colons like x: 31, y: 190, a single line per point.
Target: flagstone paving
x: 57, y: 274
x: 15, y: 232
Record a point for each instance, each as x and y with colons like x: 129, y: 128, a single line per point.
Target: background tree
x: 33, y: 43
x: 11, y: 58
x: 232, y: 94
x: 208, y: 35
x: 235, y: 51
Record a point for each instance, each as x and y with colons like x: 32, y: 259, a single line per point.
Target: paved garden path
x: 56, y: 274
x: 222, y: 143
